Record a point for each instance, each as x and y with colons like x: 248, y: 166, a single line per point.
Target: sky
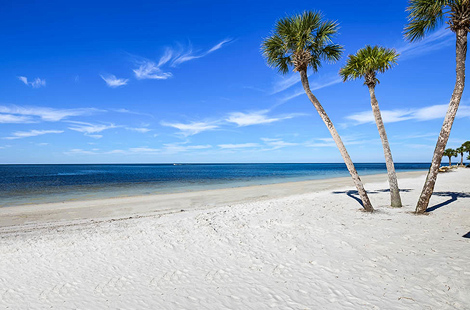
x: 185, y: 81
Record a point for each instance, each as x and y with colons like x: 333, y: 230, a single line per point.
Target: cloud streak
x: 36, y: 83
x: 31, y: 133
x: 28, y: 114
x: 435, y: 41
x: 138, y: 129
x: 113, y: 82
x: 255, y: 118
x: 420, y: 114
x: 239, y: 146
x: 192, y: 128
x: 314, y: 85
x: 89, y: 129
x: 148, y: 69
x: 187, y: 54
x: 14, y: 119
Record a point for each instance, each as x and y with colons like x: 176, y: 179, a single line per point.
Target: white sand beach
x: 303, y: 245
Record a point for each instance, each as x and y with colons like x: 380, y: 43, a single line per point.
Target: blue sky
x: 184, y: 81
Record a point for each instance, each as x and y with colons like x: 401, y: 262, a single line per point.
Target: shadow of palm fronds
x: 453, y: 197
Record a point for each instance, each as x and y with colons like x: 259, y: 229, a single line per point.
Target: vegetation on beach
x: 465, y: 147
x: 425, y: 16
x: 450, y: 153
x: 304, y: 41
x: 366, y: 63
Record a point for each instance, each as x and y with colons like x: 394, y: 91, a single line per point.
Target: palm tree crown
x: 367, y: 62
x: 302, y: 41
x: 466, y: 146
x: 426, y: 15
x: 450, y: 153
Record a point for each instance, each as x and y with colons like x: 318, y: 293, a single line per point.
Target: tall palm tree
x: 367, y: 62
x: 450, y: 153
x: 302, y: 41
x: 425, y: 16
x: 460, y: 150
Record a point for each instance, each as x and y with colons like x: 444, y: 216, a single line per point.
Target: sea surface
x: 32, y: 184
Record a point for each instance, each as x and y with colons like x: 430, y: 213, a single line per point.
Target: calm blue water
x: 24, y: 184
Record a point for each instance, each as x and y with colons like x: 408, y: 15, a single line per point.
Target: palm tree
x: 450, y: 153
x: 302, y: 41
x: 367, y: 62
x: 460, y: 150
x: 466, y: 146
x: 425, y: 16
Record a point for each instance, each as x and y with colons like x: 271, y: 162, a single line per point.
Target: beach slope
x: 309, y: 250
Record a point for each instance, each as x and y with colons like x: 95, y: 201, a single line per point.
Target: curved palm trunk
x: 461, y: 54
x: 347, y: 160
x: 392, y: 176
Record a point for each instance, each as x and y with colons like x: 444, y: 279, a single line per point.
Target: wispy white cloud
x: 138, y: 129
x: 94, y: 151
x: 15, y: 119
x: 187, y: 54
x: 285, y: 82
x: 144, y: 150
x: 31, y: 133
x: 218, y: 46
x: 126, y: 111
x: 181, y: 147
x: 149, y: 70
x: 79, y: 152
x: 240, y: 119
x: 91, y: 130
x: 275, y: 144
x: 255, y: 118
x: 45, y: 114
x: 94, y: 136
x: 239, y: 146
x: 112, y: 81
x: 314, y: 85
x: 192, y: 128
x: 419, y: 114
x: 321, y: 142
x: 166, y: 57
x: 388, y: 116
x: 329, y: 142
x: 418, y: 136
x: 435, y: 41
x: 36, y: 83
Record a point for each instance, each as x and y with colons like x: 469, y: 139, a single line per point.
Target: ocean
x: 31, y: 184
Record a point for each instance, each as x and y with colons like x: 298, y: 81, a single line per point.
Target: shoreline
x: 62, y: 213
x: 82, y: 189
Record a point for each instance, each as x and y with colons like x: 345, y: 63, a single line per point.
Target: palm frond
x: 424, y: 16
x: 367, y: 62
x: 296, y: 35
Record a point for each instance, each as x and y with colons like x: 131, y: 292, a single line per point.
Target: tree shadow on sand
x: 355, y: 194
x: 453, y: 197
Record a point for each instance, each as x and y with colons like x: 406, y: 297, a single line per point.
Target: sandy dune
x: 309, y: 250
